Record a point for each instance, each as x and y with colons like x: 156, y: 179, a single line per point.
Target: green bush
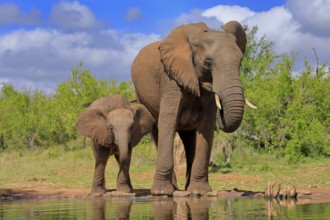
x: 293, y: 114
x: 30, y: 119
x: 292, y: 119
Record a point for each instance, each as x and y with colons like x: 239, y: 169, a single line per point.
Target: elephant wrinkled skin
x: 177, y: 80
x: 115, y: 127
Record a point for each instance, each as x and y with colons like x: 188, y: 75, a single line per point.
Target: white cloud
x: 289, y: 26
x: 194, y: 16
x: 313, y: 15
x: 43, y: 57
x: 289, y: 34
x: 278, y: 25
x: 226, y: 13
x: 73, y: 15
x: 11, y: 14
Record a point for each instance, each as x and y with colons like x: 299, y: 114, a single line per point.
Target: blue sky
x: 40, y: 41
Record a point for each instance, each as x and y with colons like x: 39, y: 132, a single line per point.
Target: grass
x: 72, y: 167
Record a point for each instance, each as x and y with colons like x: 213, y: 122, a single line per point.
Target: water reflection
x: 163, y: 208
x: 273, y: 206
x: 192, y: 208
x: 123, y: 207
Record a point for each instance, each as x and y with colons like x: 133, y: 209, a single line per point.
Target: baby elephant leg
x: 123, y: 179
x: 101, y: 158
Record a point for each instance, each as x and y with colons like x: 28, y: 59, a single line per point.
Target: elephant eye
x: 208, y: 65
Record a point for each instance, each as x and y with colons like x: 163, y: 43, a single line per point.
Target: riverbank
x: 69, y: 171
x: 304, y: 195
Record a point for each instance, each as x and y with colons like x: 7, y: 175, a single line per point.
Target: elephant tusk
x: 217, y: 101
x: 248, y: 103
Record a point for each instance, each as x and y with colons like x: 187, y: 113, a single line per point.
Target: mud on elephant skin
x: 177, y: 79
x: 115, y: 126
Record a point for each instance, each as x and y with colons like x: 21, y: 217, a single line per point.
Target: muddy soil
x: 305, y: 195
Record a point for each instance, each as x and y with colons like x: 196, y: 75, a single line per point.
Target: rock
x: 119, y: 194
x: 95, y: 195
x: 181, y: 194
x: 304, y: 192
x: 229, y: 194
x: 258, y: 195
x: 236, y: 193
x: 211, y: 194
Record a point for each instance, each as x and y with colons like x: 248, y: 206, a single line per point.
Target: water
x: 162, y: 208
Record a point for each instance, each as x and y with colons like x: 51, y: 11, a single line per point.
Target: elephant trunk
x: 230, y: 91
x: 124, y: 149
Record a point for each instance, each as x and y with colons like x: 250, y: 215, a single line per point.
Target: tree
x: 292, y: 118
x: 31, y: 118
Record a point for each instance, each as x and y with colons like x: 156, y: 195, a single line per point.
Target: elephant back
x: 146, y: 72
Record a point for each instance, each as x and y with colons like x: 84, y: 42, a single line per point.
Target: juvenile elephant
x: 181, y: 80
x: 115, y: 126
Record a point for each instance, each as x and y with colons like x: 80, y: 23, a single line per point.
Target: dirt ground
x: 305, y: 195
x: 40, y: 189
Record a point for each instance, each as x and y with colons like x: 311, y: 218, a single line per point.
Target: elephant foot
x: 162, y: 187
x: 199, y: 188
x: 97, y: 191
x: 124, y: 188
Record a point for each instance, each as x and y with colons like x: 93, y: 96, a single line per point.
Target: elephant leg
x: 154, y: 135
x: 123, y: 179
x: 94, y: 148
x: 169, y: 107
x: 101, y: 158
x: 204, y: 135
x: 189, y: 139
x: 164, y: 170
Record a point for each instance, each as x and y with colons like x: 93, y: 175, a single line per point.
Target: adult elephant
x: 181, y: 80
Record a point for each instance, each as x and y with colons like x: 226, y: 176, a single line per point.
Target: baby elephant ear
x: 143, y: 122
x: 235, y: 28
x: 92, y: 123
x: 177, y: 55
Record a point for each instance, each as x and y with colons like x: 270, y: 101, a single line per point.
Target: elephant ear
x: 235, y: 28
x: 143, y: 122
x: 92, y: 123
x: 176, y: 55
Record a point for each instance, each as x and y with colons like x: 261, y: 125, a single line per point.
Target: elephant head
x: 200, y: 59
x: 113, y: 121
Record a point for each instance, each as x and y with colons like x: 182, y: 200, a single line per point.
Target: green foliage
x: 29, y: 119
x: 292, y: 118
x: 24, y: 116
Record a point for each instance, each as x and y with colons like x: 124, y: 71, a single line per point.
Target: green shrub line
x: 292, y: 119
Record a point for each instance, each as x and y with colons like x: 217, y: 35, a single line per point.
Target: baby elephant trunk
x: 124, y: 148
